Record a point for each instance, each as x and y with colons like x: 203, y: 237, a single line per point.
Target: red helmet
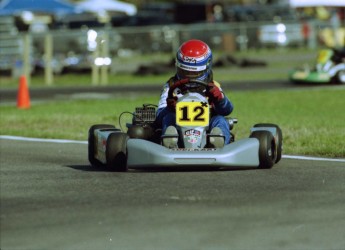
x: 194, y: 60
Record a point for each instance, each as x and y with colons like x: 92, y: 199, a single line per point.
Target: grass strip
x: 312, y: 120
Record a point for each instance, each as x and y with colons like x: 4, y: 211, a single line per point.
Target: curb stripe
x: 310, y: 158
x: 20, y: 138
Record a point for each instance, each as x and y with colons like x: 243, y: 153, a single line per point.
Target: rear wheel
x: 92, y: 143
x: 279, y: 141
x: 116, y: 152
x: 267, y: 148
x: 341, y: 76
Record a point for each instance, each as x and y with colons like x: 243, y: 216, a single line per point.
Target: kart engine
x: 144, y: 115
x: 142, y: 126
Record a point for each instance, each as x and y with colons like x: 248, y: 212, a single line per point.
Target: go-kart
x: 141, y: 146
x: 329, y: 68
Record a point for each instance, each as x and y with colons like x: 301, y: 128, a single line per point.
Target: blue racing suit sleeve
x: 224, y: 107
x: 162, y: 105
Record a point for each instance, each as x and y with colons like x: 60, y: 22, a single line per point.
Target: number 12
x: 197, y: 112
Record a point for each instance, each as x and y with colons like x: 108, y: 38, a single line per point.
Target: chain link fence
x: 86, y: 48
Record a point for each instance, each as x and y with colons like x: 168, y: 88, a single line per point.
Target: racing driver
x: 194, y: 61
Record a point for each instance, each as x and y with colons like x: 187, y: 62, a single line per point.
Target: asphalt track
x: 52, y: 199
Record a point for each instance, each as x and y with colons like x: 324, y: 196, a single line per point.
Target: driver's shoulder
x: 171, y: 81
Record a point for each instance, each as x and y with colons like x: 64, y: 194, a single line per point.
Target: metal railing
x: 95, y: 48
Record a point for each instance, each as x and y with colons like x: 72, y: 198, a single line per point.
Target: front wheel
x: 267, y: 148
x: 279, y: 141
x: 116, y: 152
x: 92, y: 143
x: 341, y: 76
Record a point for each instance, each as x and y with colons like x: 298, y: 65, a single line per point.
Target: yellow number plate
x: 192, y: 114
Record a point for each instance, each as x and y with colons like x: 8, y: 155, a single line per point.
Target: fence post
x: 105, y: 55
x: 312, y: 41
x: 26, y: 57
x: 175, y: 44
x: 95, y: 68
x: 243, y: 40
x: 48, y: 57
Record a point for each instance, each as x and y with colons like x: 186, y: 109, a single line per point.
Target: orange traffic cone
x: 23, y: 97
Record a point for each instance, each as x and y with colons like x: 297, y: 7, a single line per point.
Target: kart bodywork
x: 141, y: 145
x: 329, y: 68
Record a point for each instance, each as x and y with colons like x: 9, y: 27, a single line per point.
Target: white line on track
x: 20, y: 138
x: 310, y: 158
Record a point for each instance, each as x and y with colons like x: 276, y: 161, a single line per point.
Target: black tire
x: 91, y: 144
x: 116, y: 152
x: 267, y: 148
x: 341, y: 77
x: 279, y: 139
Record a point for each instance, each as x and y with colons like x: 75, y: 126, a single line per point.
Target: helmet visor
x: 182, y: 73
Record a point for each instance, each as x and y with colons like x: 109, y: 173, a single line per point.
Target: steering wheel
x: 184, y: 82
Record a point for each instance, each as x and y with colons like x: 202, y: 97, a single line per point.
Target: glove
x: 181, y: 82
x: 171, y: 103
x: 214, y: 94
